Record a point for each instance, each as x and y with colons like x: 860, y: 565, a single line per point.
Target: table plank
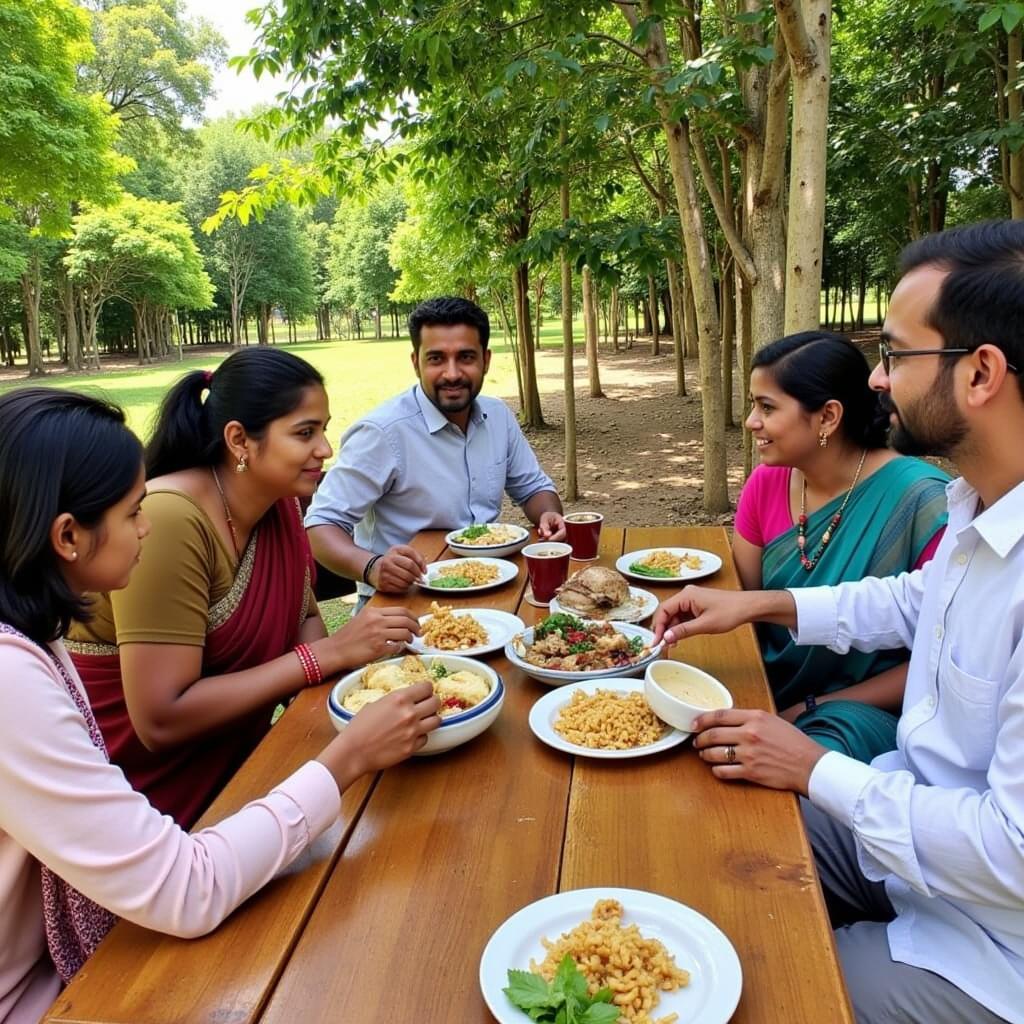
x: 736, y: 853
x: 447, y: 848
x: 139, y: 976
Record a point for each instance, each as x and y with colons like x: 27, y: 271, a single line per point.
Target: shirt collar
x: 435, y: 419
x: 1000, y: 526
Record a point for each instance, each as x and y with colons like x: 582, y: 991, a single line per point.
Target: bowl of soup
x: 678, y: 693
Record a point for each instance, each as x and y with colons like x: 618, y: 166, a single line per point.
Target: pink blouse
x: 763, y: 513
x: 63, y: 805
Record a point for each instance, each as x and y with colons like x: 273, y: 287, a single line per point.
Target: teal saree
x: 887, y: 523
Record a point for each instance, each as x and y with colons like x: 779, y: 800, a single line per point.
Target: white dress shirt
x: 406, y: 467
x: 940, y: 820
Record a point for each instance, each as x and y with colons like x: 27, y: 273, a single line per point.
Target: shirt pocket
x: 971, y: 708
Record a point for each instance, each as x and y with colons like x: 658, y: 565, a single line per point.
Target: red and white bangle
x: 310, y: 666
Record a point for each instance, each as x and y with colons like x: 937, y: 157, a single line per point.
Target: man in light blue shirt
x: 921, y: 853
x: 437, y: 456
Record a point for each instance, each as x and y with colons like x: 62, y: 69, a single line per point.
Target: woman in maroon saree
x: 184, y: 668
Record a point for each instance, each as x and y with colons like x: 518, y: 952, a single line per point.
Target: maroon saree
x: 257, y: 620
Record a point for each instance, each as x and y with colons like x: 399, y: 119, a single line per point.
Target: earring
x: 74, y: 555
x: 241, y: 467
x: 823, y: 440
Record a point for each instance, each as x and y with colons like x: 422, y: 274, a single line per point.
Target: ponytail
x: 253, y: 387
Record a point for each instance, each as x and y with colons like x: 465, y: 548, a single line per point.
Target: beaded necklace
x: 227, y: 514
x: 833, y: 525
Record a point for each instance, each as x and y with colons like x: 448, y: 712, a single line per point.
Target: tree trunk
x: 513, y: 339
x: 652, y: 305
x: 69, y: 307
x: 571, y: 492
x: 1015, y: 159
x: 807, y: 28
x: 590, y: 331
x: 31, y: 294
x: 678, y: 330
x: 615, y: 315
x: 728, y: 337
x: 532, y: 415
x: 745, y: 350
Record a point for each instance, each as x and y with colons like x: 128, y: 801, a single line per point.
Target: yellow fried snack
x: 635, y: 968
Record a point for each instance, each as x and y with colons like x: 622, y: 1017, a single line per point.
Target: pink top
x: 763, y: 513
x: 65, y: 806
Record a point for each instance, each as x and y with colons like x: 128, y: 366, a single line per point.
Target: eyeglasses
x: 886, y: 354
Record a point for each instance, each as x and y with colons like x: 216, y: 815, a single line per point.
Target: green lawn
x: 359, y: 376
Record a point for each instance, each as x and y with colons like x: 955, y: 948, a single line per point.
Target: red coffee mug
x: 583, y: 533
x: 547, y: 565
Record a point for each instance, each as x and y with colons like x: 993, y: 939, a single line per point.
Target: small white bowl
x: 511, y: 547
x: 674, y: 710
x: 556, y: 677
x: 453, y: 730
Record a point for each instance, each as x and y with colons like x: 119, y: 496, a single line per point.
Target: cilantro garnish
x: 636, y: 644
x: 472, y: 533
x: 562, y: 1001
x: 558, y: 623
x: 438, y: 671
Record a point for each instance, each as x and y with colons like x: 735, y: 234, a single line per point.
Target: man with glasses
x: 921, y: 853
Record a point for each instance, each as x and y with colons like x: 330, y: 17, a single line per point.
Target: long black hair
x: 254, y: 386
x: 815, y: 367
x: 60, y: 451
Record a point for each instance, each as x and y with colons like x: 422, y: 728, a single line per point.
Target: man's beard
x: 449, y: 403
x: 922, y: 429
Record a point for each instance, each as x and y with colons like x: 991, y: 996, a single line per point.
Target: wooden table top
x: 384, y: 919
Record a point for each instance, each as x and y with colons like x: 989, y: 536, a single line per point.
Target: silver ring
x: 730, y: 754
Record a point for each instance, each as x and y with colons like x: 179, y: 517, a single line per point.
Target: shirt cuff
x: 313, y: 790
x: 836, y: 784
x: 817, y: 619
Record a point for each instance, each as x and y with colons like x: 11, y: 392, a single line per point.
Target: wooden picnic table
x: 385, y: 918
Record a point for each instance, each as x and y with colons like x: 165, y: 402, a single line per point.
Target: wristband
x: 811, y: 703
x: 310, y: 666
x: 369, y: 565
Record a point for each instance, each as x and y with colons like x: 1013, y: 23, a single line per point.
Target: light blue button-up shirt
x: 940, y: 820
x: 406, y: 467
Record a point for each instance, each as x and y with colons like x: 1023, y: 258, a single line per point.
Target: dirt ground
x: 639, y: 450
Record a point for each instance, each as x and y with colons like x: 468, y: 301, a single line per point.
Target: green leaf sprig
x: 562, y: 1001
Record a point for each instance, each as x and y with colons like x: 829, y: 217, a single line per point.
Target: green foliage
x: 139, y: 249
x: 55, y: 141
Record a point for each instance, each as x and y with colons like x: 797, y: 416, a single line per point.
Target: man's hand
x: 397, y: 570
x: 551, y: 526
x: 756, y: 746
x: 696, y: 610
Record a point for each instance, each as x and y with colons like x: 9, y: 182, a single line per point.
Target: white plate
x: 700, y: 947
x: 545, y: 711
x: 557, y: 677
x: 648, y: 605
x: 506, y: 571
x: 710, y: 563
x: 506, y: 547
x: 500, y: 626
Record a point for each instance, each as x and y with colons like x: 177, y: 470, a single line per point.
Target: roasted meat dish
x: 593, y: 590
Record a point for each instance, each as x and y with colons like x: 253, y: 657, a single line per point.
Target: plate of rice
x: 608, y: 719
x: 668, y: 565
x: 466, y: 575
x: 682, y: 962
x: 464, y: 631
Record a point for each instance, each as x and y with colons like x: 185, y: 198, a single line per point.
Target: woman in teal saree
x: 829, y: 504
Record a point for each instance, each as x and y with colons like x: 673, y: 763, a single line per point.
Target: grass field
x: 359, y: 376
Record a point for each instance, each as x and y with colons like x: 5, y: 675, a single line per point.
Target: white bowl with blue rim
x: 454, y: 730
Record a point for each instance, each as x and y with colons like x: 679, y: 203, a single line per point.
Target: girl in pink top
x: 830, y: 503
x: 78, y: 846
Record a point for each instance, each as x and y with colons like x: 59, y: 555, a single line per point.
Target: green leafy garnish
x: 472, y: 533
x: 562, y: 1001
x: 438, y: 671
x: 645, y: 570
x: 581, y: 648
x: 448, y: 582
x: 636, y: 644
x: 557, y: 623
